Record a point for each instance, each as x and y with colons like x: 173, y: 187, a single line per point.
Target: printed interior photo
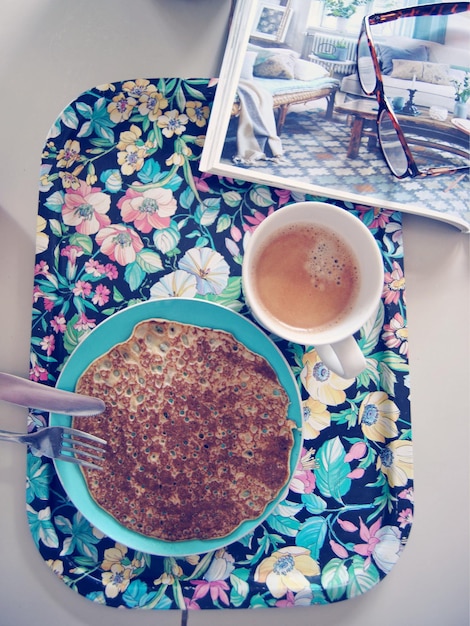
x: 299, y: 116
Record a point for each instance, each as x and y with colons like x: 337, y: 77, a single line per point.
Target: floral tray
x: 125, y: 215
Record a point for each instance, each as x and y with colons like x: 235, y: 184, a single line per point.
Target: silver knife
x: 34, y: 395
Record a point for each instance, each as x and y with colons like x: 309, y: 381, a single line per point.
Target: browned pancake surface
x: 197, y: 431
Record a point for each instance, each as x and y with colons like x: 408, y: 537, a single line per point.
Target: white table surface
x: 51, y: 51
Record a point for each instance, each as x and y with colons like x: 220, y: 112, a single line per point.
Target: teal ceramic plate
x: 117, y: 329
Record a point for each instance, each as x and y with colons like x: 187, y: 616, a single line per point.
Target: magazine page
x: 290, y: 109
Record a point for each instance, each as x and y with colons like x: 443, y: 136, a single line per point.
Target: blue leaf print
x: 134, y: 275
x: 312, y: 534
x: 150, y: 172
x: 81, y: 536
x: 136, y: 595
x: 332, y: 473
x: 98, y: 122
x: 38, y: 478
x: 41, y: 527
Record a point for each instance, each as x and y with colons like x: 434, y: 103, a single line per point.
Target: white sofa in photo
x: 433, y: 65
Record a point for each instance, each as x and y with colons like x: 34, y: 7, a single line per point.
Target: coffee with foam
x: 306, y: 276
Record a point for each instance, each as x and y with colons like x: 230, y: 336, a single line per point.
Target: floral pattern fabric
x: 125, y: 215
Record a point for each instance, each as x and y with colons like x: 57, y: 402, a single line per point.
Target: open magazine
x: 290, y: 111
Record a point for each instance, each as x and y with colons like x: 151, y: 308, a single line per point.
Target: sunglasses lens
x: 365, y: 65
x: 392, y: 148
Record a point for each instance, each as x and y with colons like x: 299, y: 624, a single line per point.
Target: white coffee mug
x: 315, y: 249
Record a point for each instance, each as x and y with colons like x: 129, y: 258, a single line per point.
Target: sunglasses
x: 393, y: 141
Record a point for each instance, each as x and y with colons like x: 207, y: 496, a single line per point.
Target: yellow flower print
x: 152, y: 103
x: 377, y: 417
x: 132, y: 151
x: 69, y: 180
x: 129, y: 137
x: 172, y: 123
x: 135, y: 88
x: 121, y: 107
x: 197, y: 112
x: 116, y: 580
x: 321, y: 383
x: 192, y: 559
x: 67, y: 155
x: 286, y: 570
x: 56, y: 566
x: 179, y: 158
x: 106, y: 87
x: 316, y: 418
x: 118, y: 573
x: 396, y: 462
x: 42, y: 239
x: 131, y: 159
x: 113, y: 555
x: 164, y: 579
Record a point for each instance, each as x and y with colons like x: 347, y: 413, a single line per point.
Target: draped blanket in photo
x: 257, y: 137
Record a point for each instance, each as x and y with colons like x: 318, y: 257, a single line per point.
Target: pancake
x: 197, y: 431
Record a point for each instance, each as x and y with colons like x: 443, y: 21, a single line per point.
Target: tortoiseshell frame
x: 384, y: 105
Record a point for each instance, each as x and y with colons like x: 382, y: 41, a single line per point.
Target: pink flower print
x: 395, y: 334
x: 394, y: 285
x: 405, y: 517
x: 356, y: 473
x: 255, y: 219
x: 72, y: 253
x: 338, y: 549
x: 190, y: 604
x: 85, y: 208
x: 94, y: 268
x: 216, y: 588
x: 41, y: 268
x: 301, y: 598
x: 82, y: 289
x: 149, y: 210
x: 288, y: 601
x: 347, y: 526
x: 357, y: 451
x: 83, y: 323
x: 283, y: 195
x: 381, y: 216
x: 368, y: 535
x: 48, y: 304
x: 120, y: 243
x: 101, y: 295
x: 48, y: 344
x: 37, y: 293
x: 200, y: 182
x: 303, y: 480
x: 38, y: 373
x: 59, y: 324
x: 235, y: 233
x: 111, y: 271
x: 407, y: 494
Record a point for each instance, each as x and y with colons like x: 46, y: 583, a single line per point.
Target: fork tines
x: 75, y: 450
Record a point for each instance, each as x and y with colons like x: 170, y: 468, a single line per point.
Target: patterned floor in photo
x: 315, y: 151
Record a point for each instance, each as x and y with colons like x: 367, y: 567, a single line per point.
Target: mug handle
x: 343, y: 357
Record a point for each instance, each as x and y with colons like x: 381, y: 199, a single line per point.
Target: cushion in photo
x: 387, y: 54
x: 433, y: 73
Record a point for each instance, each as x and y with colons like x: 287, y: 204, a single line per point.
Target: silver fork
x: 60, y: 442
